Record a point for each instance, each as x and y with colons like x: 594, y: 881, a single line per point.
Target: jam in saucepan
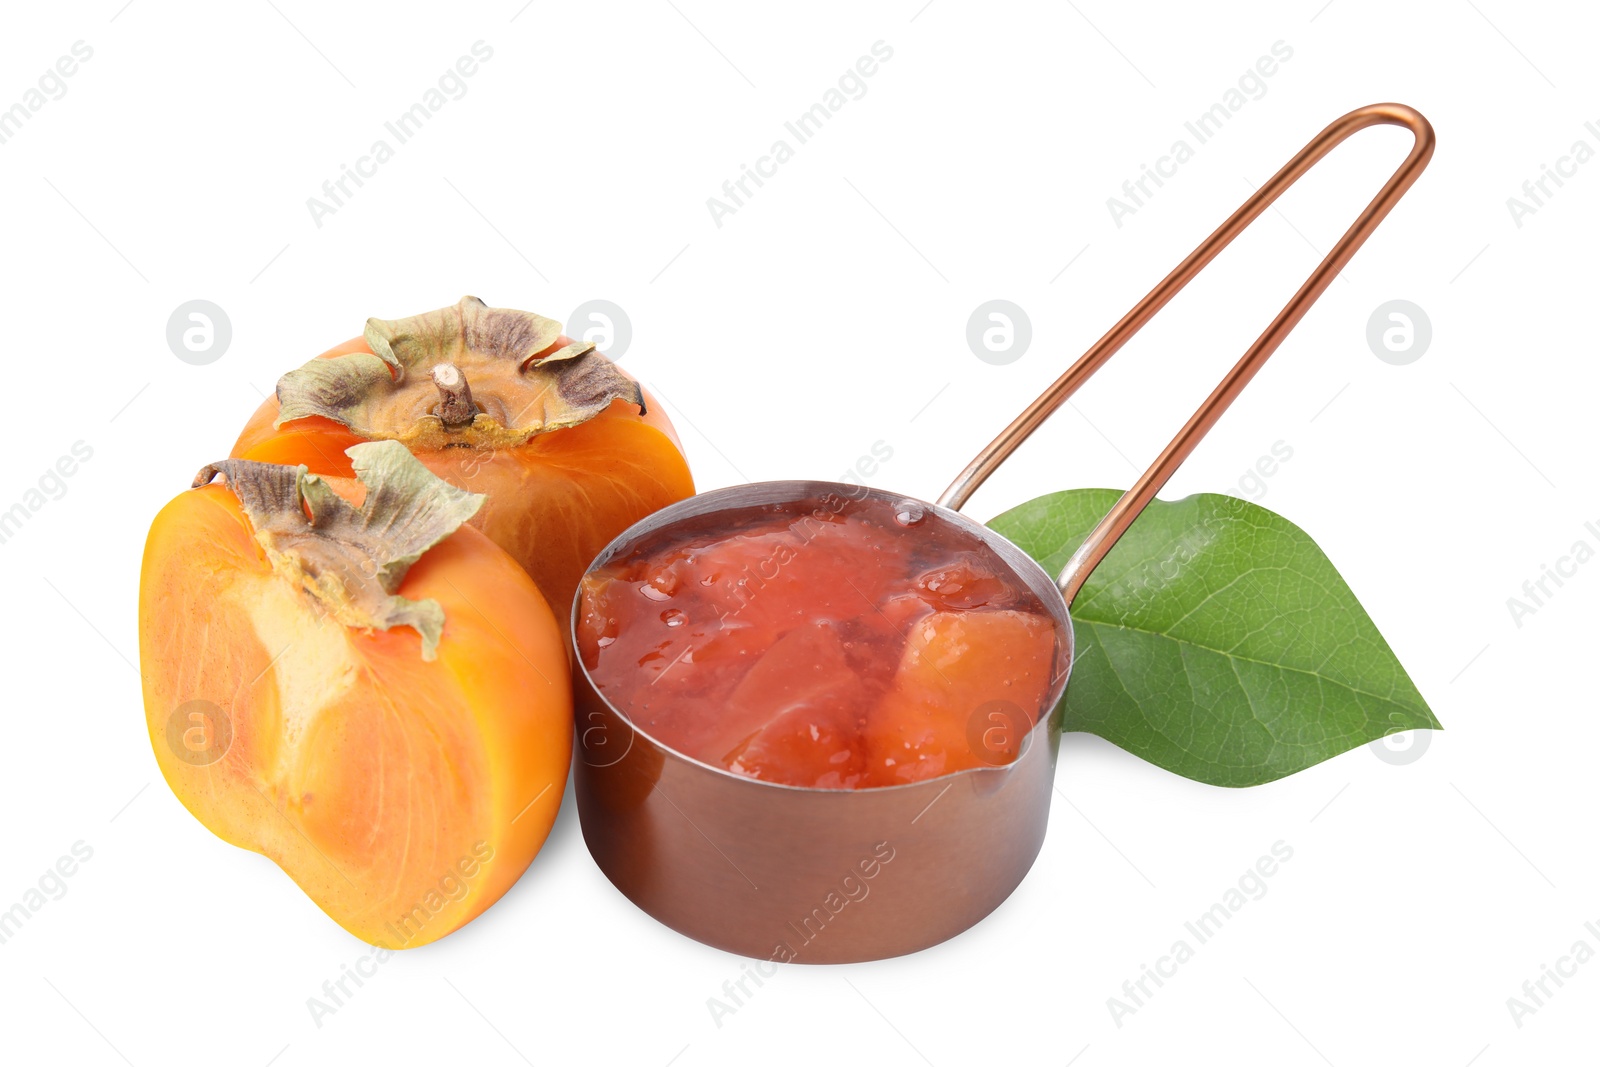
x: 838, y: 644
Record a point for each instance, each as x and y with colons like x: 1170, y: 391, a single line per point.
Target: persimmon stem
x: 456, y: 407
x: 351, y: 560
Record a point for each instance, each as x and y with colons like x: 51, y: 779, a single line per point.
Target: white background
x: 828, y: 314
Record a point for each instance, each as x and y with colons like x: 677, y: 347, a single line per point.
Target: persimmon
x: 341, y: 675
x: 568, y: 449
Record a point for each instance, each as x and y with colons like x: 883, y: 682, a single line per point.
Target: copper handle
x: 1126, y: 509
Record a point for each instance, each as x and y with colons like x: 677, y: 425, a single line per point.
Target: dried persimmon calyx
x: 348, y: 559
x: 464, y: 375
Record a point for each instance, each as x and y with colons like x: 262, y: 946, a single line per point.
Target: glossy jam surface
x: 838, y: 644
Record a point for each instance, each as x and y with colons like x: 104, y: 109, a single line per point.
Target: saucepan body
x: 810, y: 875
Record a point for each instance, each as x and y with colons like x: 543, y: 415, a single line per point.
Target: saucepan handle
x: 1122, y: 514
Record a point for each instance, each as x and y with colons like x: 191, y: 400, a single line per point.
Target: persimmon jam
x: 835, y: 643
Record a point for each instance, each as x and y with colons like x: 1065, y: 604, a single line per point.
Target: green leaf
x: 1216, y: 640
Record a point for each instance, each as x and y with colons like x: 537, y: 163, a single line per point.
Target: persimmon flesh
x: 853, y: 648
x: 403, y: 787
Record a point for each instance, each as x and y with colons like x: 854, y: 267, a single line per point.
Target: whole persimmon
x: 568, y: 449
x: 342, y: 676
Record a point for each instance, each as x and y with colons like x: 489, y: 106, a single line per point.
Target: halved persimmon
x: 568, y: 449
x: 343, y: 677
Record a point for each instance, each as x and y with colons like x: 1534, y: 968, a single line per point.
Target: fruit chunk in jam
x: 836, y: 644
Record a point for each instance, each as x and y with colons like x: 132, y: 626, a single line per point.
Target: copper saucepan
x: 832, y: 876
